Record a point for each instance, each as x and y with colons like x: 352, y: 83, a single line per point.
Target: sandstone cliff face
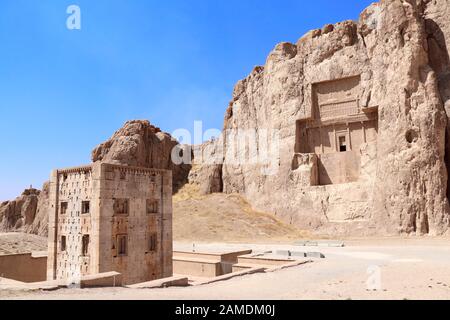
x: 206, y: 172
x: 398, y: 54
x: 437, y: 26
x: 411, y: 182
x: 28, y: 213
x: 140, y: 144
x: 39, y: 226
x: 438, y: 30
x: 21, y: 213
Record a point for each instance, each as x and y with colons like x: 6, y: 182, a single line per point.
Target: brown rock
x: 206, y: 172
x: 438, y: 30
x: 19, y: 213
x: 39, y: 225
x: 140, y: 144
x: 391, y: 71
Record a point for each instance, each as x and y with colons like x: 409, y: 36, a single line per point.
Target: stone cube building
x: 106, y: 217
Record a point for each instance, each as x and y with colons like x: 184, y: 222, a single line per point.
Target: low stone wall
x: 204, y: 268
x: 24, y: 267
x: 206, y: 264
x: 107, y: 279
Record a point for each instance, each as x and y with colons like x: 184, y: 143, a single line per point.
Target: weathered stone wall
x: 107, y: 217
x: 140, y: 187
x: 23, y: 267
x: 69, y: 223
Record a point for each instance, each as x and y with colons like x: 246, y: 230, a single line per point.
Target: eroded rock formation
x: 40, y: 222
x: 140, y: 144
x: 361, y: 113
x: 26, y: 213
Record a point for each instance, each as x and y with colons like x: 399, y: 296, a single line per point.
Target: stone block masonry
x: 105, y: 218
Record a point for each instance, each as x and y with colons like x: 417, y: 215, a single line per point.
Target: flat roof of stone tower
x: 85, y: 168
x: 75, y: 169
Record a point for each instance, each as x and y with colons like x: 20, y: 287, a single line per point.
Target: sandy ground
x: 407, y: 269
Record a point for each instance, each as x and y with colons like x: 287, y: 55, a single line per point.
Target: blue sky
x: 63, y: 91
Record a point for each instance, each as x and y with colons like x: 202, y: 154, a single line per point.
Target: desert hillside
x: 20, y: 243
x: 225, y: 217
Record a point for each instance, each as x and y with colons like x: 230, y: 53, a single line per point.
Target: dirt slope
x: 19, y: 243
x: 222, y: 217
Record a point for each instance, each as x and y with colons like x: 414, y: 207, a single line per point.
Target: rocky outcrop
x: 411, y: 182
x: 140, y: 144
x: 437, y: 26
x: 39, y: 226
x: 398, y: 52
x: 438, y: 30
x: 206, y: 172
x: 20, y: 213
x: 28, y: 213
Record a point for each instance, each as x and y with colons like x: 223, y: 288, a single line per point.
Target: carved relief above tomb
x: 336, y: 99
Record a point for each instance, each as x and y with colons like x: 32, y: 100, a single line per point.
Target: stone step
x: 176, y: 281
x: 261, y: 260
